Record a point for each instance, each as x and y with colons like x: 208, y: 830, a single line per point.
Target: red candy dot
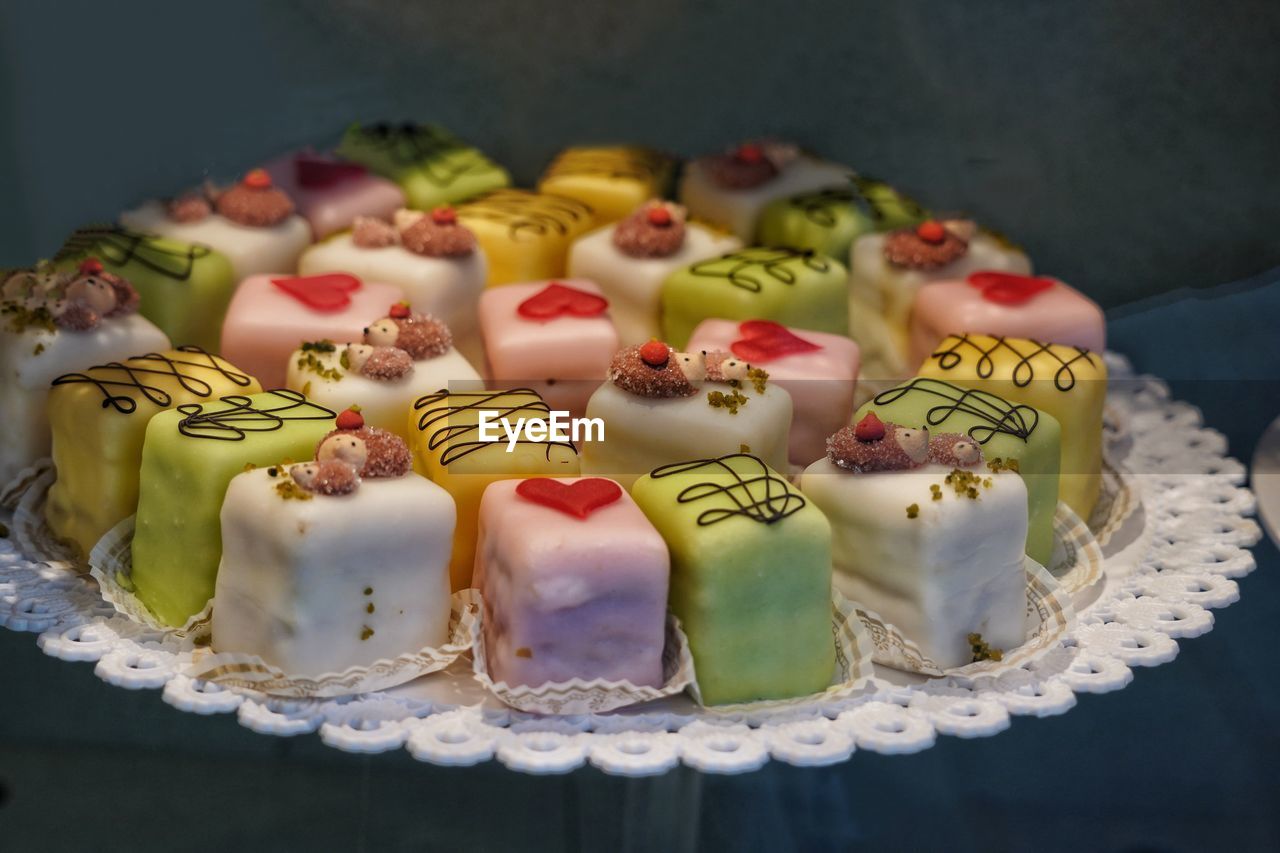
x: 749, y: 152
x: 444, y: 216
x: 258, y: 179
x: 90, y: 266
x: 655, y: 353
x: 870, y: 428
x: 659, y: 216
x: 350, y: 419
x: 399, y: 311
x: 931, y: 231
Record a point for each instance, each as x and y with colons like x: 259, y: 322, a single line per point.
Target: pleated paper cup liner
x: 582, y: 696
x: 111, y: 565
x: 251, y: 673
x: 1050, y: 615
x: 11, y: 492
x: 853, y: 671
x: 1118, y: 500
x: 28, y: 492
x: 1077, y: 559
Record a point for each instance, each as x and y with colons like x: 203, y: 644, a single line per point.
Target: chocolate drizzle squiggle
x: 740, y: 268
x: 1064, y: 378
x: 441, y: 156
x: 1002, y: 417
x: 778, y: 501
x: 818, y: 207
x: 637, y: 164
x: 868, y: 188
x: 242, y: 417
x: 133, y: 376
x: 436, y: 411
x: 525, y: 213
x: 119, y: 246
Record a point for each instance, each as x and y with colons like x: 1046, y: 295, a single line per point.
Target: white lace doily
x: 1173, y: 561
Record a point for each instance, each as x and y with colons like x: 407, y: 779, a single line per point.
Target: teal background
x: 1133, y: 147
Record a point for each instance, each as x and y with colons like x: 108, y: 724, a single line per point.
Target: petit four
x: 928, y: 534
x: 794, y: 287
x: 53, y: 322
x: 828, y: 220
x: 660, y: 406
x: 525, y: 235
x: 185, y: 287
x: 887, y: 270
x: 451, y: 447
x: 555, y: 337
x: 271, y: 314
x: 732, y: 188
x: 430, y: 164
x: 612, y: 180
x: 401, y: 358
x: 99, y: 417
x: 190, y: 455
x: 1025, y: 439
x: 330, y: 193
x: 334, y: 563
x: 1067, y: 382
x: 750, y: 576
x: 252, y: 222
x: 1007, y: 304
x: 435, y: 261
x: 574, y: 582
x: 631, y: 259
x: 817, y: 369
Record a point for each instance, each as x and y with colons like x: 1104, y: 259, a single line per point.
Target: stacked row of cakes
x: 394, y: 296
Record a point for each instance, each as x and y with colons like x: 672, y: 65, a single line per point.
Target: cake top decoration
x: 750, y: 164
x: 241, y: 415
x: 579, y: 498
x: 441, y: 157
x: 120, y: 246
x: 561, y: 300
x: 380, y: 363
x: 998, y: 415
x: 1063, y: 360
x: 742, y: 487
x: 875, y: 445
x: 327, y: 292
x: 349, y: 418
x: 763, y: 341
x: 49, y: 299
x: 632, y: 162
x: 254, y: 201
x: 528, y: 215
x: 928, y: 246
x: 422, y: 336
x: 453, y: 417
x: 385, y: 454
x: 655, y: 230
x: 656, y: 370
x: 369, y: 232
x: 136, y: 373
x: 1006, y: 288
x: 189, y: 207
x: 748, y: 268
x: 437, y: 234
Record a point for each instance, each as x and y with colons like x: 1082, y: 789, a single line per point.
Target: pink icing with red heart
x: 763, y: 341
x: 1008, y: 288
x: 328, y: 292
x: 579, y: 498
x: 559, y: 300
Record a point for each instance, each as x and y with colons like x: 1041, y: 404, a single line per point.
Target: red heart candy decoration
x: 328, y: 292
x: 556, y: 300
x: 315, y: 172
x: 764, y: 341
x: 579, y: 498
x: 1008, y: 288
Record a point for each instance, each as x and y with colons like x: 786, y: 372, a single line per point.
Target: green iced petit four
x: 750, y: 576
x: 829, y: 220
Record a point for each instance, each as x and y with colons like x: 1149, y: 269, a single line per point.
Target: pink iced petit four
x: 330, y: 192
x: 271, y: 314
x: 818, y: 369
x: 555, y: 337
x: 1005, y: 305
x: 574, y: 579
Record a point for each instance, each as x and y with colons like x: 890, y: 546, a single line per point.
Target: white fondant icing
x: 292, y: 583
x: 739, y: 210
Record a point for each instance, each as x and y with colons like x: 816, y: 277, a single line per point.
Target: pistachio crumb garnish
x: 983, y: 651
x: 913, y: 511
x: 759, y: 378
x: 365, y: 633
x: 289, y: 490
x: 721, y: 400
